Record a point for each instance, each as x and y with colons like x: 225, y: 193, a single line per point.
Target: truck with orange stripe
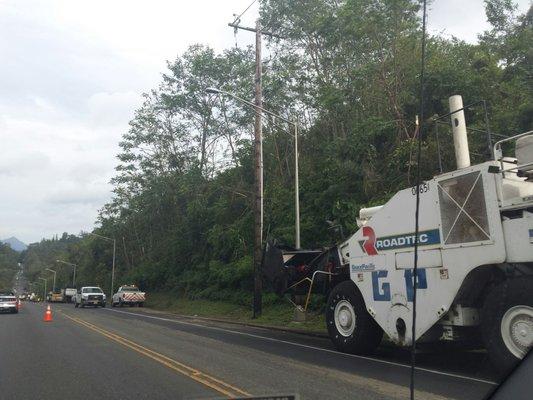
x: 128, y: 295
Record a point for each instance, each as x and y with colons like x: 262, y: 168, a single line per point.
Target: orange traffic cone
x: 48, y: 314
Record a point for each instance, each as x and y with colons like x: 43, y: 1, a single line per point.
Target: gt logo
x: 369, y: 244
x: 381, y: 288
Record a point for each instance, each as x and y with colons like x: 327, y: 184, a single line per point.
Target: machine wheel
x: 82, y: 304
x: 112, y: 303
x: 507, y: 322
x: 141, y: 304
x: 120, y: 304
x: 350, y: 327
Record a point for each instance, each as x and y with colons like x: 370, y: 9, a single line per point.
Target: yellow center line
x: 207, y: 380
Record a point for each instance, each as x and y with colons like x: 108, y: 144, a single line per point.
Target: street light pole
x: 55, y: 273
x: 258, y: 169
x: 72, y: 265
x: 114, y: 255
x: 295, y: 125
x: 296, y: 189
x: 113, y: 268
x: 45, y: 280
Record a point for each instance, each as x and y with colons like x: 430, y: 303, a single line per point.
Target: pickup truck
x: 128, y: 294
x: 90, y: 296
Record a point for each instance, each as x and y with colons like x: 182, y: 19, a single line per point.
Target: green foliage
x: 349, y: 71
x: 9, y: 259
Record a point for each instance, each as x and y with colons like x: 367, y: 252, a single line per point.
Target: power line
x: 417, y: 210
x: 237, y: 19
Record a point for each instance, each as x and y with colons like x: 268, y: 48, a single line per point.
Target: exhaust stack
x: 460, y: 138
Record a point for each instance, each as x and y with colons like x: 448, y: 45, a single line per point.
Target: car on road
x: 90, y: 296
x: 8, y: 303
x: 128, y: 295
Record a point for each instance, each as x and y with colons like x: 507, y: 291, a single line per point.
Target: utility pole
x: 258, y: 168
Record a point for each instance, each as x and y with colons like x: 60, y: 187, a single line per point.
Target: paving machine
x: 475, y: 259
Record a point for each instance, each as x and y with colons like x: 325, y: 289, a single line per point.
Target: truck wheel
x: 350, y: 327
x: 507, y: 322
x: 113, y: 303
x: 76, y: 304
x: 82, y: 304
x: 141, y: 304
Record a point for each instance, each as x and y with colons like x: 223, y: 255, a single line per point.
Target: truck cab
x: 90, y: 296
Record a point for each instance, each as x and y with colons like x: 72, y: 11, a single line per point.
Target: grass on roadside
x: 278, y: 315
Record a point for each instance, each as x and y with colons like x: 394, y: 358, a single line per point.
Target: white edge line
x: 433, y: 371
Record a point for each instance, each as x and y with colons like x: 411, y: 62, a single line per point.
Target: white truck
x: 128, y: 295
x: 475, y: 259
x: 69, y: 294
x: 90, y: 296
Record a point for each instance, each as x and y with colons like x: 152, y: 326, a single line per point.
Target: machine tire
x: 82, y: 304
x: 120, y: 303
x: 504, y: 299
x: 366, y: 334
x: 76, y: 304
x: 112, y: 303
x: 141, y: 304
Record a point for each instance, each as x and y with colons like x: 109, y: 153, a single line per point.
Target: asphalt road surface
x: 134, y: 353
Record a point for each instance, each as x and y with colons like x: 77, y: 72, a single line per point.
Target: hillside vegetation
x: 9, y: 259
x: 349, y: 71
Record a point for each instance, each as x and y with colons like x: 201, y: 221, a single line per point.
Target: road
x: 136, y: 353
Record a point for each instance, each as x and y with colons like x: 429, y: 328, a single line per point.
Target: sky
x: 72, y: 73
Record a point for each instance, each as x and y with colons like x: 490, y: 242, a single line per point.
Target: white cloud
x: 121, y: 104
x: 461, y: 18
x: 73, y: 74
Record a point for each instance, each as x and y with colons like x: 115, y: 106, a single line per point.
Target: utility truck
x: 475, y: 259
x: 69, y: 294
x: 128, y: 295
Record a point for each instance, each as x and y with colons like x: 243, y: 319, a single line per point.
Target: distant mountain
x: 15, y: 244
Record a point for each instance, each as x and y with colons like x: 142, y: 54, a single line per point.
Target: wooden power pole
x: 258, y: 165
x: 258, y: 168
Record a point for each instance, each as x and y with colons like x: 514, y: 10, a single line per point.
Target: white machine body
x: 462, y: 227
